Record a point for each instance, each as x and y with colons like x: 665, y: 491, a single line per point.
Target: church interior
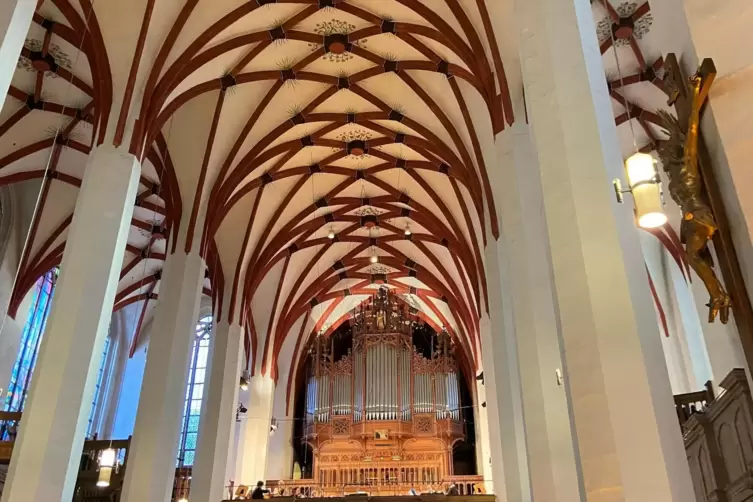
x: 376, y: 249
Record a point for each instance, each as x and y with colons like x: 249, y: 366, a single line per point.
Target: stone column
x: 525, y: 266
x: 628, y: 441
x: 280, y: 458
x: 47, y: 453
x: 154, y: 447
x: 504, y: 397
x: 521, y: 255
x: 217, y: 424
x: 483, y: 445
x: 15, y: 21
x: 253, y: 445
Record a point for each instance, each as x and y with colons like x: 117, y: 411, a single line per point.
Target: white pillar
x: 47, y: 454
x: 217, y: 424
x: 521, y: 255
x: 253, y: 445
x: 280, y: 457
x: 483, y: 446
x: 502, y: 377
x: 15, y: 21
x: 526, y: 273
x: 628, y: 441
x: 154, y: 447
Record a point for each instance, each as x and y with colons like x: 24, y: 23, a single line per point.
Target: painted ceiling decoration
x: 330, y: 141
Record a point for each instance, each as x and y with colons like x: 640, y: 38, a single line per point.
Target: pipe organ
x: 382, y: 414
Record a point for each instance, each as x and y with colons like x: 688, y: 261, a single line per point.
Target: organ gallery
x: 382, y: 414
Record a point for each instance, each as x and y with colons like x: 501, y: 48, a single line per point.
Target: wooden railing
x: 421, y: 497
x: 467, y: 485
x: 8, y: 429
x: 719, y: 442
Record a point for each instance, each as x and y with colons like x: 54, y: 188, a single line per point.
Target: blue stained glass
x: 194, y: 393
x: 191, y: 440
x: 193, y: 424
x: 30, y: 340
x: 92, y: 427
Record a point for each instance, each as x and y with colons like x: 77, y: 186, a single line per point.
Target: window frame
x: 202, y: 341
x: 32, y: 334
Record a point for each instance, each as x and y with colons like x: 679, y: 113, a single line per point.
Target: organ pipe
x: 383, y: 376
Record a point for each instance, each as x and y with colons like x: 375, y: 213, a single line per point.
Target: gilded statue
x: 679, y: 155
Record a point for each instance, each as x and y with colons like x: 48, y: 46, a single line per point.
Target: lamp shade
x: 104, y: 476
x: 646, y: 189
x: 106, y: 463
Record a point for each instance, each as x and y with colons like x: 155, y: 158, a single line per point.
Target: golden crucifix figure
x: 679, y: 155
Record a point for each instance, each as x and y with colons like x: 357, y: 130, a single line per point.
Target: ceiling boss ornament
x: 679, y: 155
x: 336, y: 41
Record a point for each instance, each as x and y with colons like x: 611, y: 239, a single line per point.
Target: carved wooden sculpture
x: 679, y: 155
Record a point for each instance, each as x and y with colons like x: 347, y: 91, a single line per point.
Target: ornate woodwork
x: 383, y: 417
x: 719, y: 441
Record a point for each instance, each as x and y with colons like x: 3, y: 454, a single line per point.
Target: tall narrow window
x: 194, y: 393
x: 31, y: 338
x: 93, y: 424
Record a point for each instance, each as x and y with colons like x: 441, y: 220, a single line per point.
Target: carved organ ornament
x: 383, y: 405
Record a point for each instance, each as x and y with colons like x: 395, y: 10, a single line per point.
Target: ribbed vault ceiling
x: 265, y: 128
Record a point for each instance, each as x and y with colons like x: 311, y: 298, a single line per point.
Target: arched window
x: 194, y: 393
x: 31, y: 339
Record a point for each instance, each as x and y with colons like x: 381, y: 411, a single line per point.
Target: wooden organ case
x: 383, y: 418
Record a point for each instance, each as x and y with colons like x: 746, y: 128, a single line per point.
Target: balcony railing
x: 718, y: 435
x: 308, y: 488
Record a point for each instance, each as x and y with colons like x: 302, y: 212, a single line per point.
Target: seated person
x: 453, y: 490
x: 259, y: 491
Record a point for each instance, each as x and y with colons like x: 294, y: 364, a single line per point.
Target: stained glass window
x: 93, y: 426
x: 31, y: 338
x: 194, y: 393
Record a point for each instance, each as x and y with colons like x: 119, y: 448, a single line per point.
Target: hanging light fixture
x: 645, y: 185
x: 643, y: 178
x: 374, y: 258
x: 407, y: 230
x: 106, y: 465
x: 331, y: 234
x: 244, y: 380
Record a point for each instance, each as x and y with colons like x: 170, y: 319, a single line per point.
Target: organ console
x: 382, y: 416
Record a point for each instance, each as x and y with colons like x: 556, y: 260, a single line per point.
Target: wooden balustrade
x: 718, y: 439
x: 467, y: 485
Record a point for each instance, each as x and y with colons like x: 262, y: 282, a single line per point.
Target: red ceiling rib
x: 457, y: 280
